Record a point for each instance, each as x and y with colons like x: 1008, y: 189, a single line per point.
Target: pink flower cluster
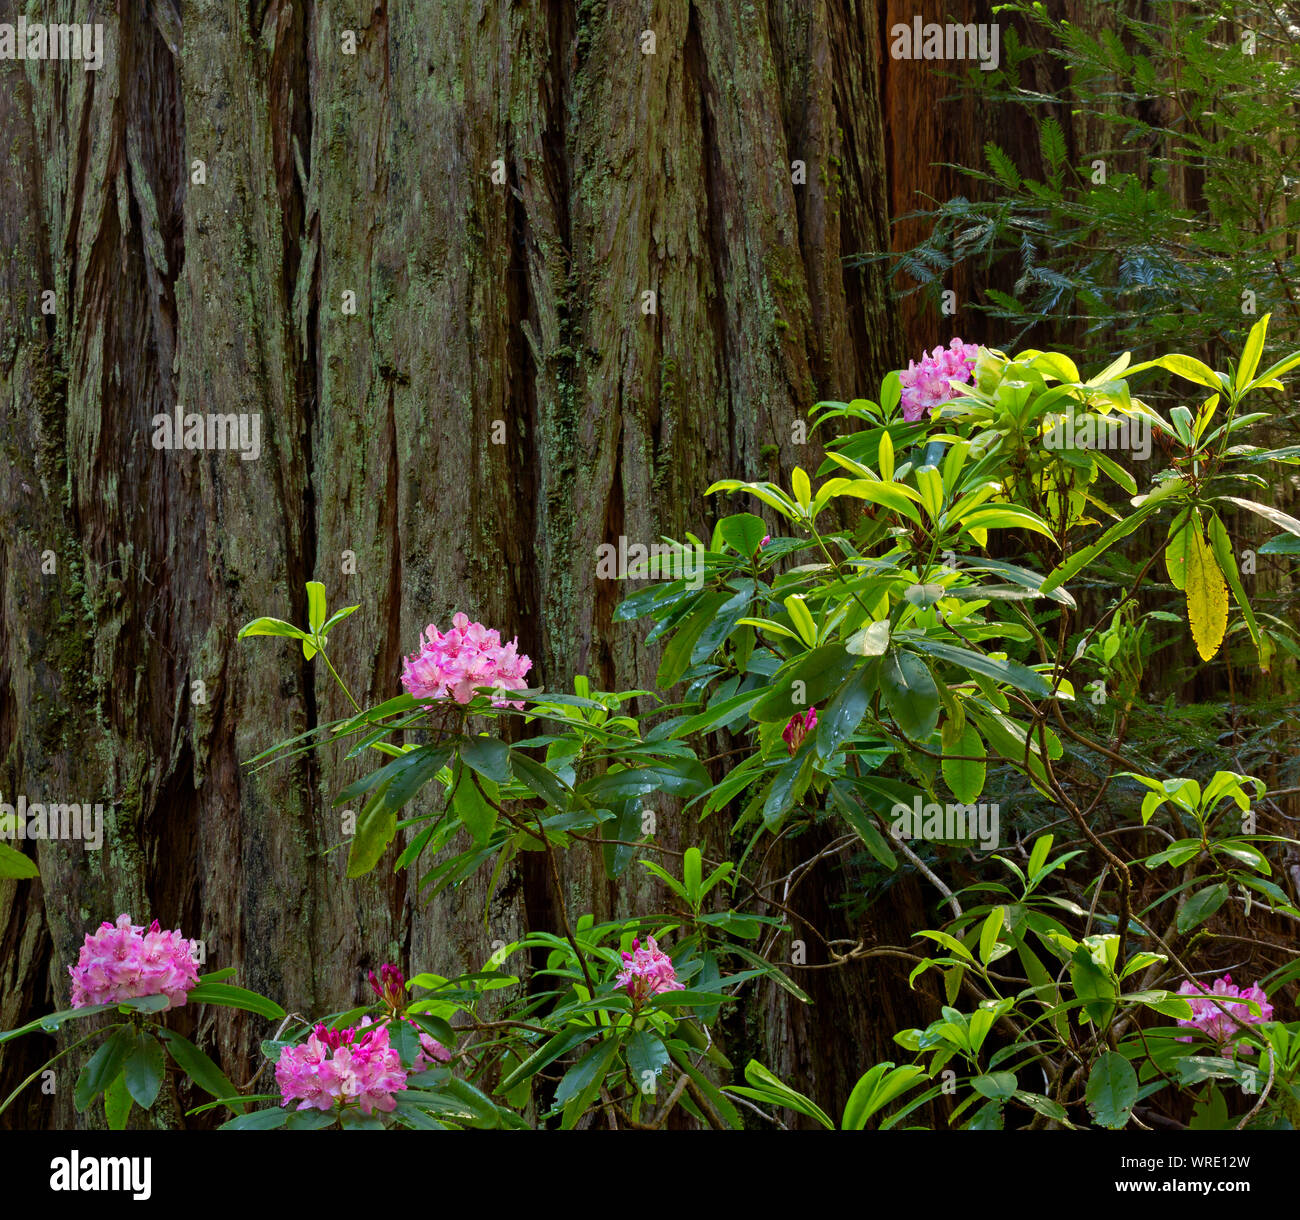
x: 1211, y: 1019
x: 798, y: 729
x: 337, y: 1067
x: 125, y: 961
x: 925, y: 385
x: 647, y: 972
x: 469, y: 655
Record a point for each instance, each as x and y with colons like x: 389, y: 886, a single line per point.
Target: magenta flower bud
x: 798, y: 729
x: 390, y: 986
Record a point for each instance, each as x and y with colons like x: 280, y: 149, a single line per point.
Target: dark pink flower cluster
x: 125, y: 961
x: 1211, y: 1019
x: 337, y: 1067
x: 926, y: 385
x: 646, y: 972
x: 467, y: 656
x: 390, y: 986
x: 795, y: 733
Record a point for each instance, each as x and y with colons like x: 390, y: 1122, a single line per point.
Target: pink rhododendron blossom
x: 647, y: 972
x: 798, y: 729
x: 336, y: 1067
x: 1211, y: 1019
x: 926, y: 385
x: 469, y: 655
x: 431, y: 1051
x: 125, y: 961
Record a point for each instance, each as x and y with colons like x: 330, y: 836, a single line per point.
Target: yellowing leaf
x: 1207, y: 597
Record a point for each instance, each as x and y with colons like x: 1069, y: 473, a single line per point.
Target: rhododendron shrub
x: 874, y: 655
x: 896, y: 653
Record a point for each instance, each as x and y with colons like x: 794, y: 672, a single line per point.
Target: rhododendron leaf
x: 547, y: 1053
x: 471, y: 807
x: 539, y: 779
x: 875, y: 1090
x: 744, y: 532
x: 1003, y: 516
x: 144, y: 1003
x: 315, y: 605
x: 1221, y: 545
x: 310, y: 1120
x: 735, y: 924
x: 356, y: 1120
x: 779, y: 977
x: 677, y: 777
x: 436, y: 1027
x: 782, y: 792
x: 910, y: 693
x: 200, y: 1069
x: 336, y: 617
x: 866, y: 830
x: 272, y: 626
x: 102, y: 1067
x: 416, y: 1119
x: 1268, y: 512
x: 803, y: 683
x: 376, y: 826
x: 1244, y: 854
x: 897, y: 497
x: 143, y: 1070
x: 965, y: 775
x: 488, y: 757
x: 587, y: 1073
x: 1112, y: 1090
x: 1201, y: 905
x: 117, y: 1104
x: 257, y: 1120
x: 844, y: 713
x: 14, y: 863
x: 1187, y: 367
x: 646, y: 1056
x: 1011, y: 672
x: 229, y: 996
x: 764, y: 1086
x: 677, y: 655
x: 1081, y: 558
x: 1207, y: 597
x: 1178, y: 548
x: 51, y: 1021
x: 716, y: 1098
x: 995, y: 1084
x: 620, y: 836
